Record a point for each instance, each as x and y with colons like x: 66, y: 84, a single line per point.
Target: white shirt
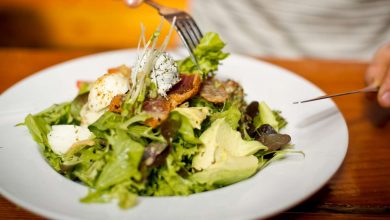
x: 333, y: 29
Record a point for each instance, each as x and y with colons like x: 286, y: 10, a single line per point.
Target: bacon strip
x: 159, y: 108
x: 116, y: 104
x: 187, y: 87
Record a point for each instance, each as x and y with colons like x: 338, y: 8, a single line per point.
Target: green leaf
x: 96, y: 196
x: 126, y: 199
x: 107, y: 121
x: 265, y: 116
x: 198, y: 101
x: 85, y: 164
x: 77, y: 104
x: 137, y: 118
x: 208, y: 55
x: 169, y: 182
x: 39, y: 128
x: 88, y: 171
x: 186, y: 130
x: 279, y: 118
x: 57, y: 114
x: 195, y: 115
x: 142, y: 131
x: 232, y: 116
x: 122, y: 162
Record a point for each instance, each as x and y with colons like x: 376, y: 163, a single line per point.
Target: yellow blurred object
x: 98, y: 24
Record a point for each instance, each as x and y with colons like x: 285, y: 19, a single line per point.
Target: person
x: 340, y: 29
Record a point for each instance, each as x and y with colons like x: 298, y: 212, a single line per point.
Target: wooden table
x: 361, y: 187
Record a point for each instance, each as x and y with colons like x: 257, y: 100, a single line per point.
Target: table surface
x: 361, y: 187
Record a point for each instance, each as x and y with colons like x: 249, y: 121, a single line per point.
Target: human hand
x: 378, y: 74
x: 133, y: 3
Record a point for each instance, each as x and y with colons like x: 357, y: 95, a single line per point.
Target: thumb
x: 133, y: 3
x: 384, y: 91
x: 378, y: 74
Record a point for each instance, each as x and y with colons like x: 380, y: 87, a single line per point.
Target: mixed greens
x: 161, y: 128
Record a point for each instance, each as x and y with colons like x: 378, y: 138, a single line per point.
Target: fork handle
x: 153, y: 4
x: 366, y: 89
x: 162, y: 10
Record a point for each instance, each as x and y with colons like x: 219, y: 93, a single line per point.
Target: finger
x: 378, y: 67
x: 133, y: 3
x: 384, y: 91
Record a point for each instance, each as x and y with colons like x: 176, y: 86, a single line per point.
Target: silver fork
x: 364, y: 90
x: 185, y: 25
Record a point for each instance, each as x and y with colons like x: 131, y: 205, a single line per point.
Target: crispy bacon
x: 187, y: 87
x: 116, y: 104
x: 214, y: 91
x: 160, y: 107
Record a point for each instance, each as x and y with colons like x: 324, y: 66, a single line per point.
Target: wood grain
x: 359, y: 190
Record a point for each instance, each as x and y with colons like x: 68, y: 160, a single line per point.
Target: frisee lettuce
x: 208, y: 55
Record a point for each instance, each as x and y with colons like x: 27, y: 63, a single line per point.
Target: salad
x: 162, y: 127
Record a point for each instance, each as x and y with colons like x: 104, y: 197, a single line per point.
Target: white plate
x: 317, y: 128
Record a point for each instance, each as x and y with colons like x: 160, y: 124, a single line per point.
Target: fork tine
x: 187, y: 45
x: 185, y: 25
x: 191, y: 32
x: 191, y: 22
x: 186, y: 35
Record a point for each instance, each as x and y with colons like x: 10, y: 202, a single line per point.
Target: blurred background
x: 327, y: 29
x: 77, y: 24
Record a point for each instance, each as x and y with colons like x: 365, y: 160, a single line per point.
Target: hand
x: 378, y: 74
x: 133, y: 3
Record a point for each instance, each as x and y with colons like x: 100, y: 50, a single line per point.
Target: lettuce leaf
x: 168, y: 182
x: 88, y: 163
x: 122, y: 162
x: 77, y: 104
x: 126, y: 198
x: 38, y: 129
x: 39, y: 126
x: 108, y: 120
x: 57, y: 114
x: 208, y: 55
x: 186, y: 130
x: 137, y: 132
x: 232, y: 116
x: 282, y: 122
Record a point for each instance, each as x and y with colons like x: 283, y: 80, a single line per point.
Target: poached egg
x: 103, y: 90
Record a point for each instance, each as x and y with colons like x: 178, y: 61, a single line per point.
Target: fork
x: 364, y: 90
x: 185, y: 25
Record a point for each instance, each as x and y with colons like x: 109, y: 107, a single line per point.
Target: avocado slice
x: 195, y: 115
x: 229, y: 171
x: 224, y: 157
x: 206, y: 155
